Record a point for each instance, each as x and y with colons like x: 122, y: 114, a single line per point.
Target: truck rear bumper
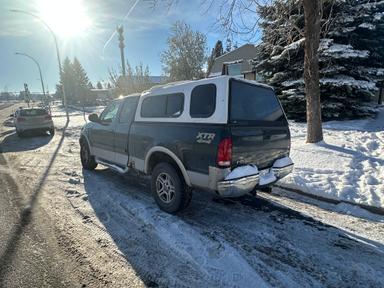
x: 243, y: 185
x: 237, y: 187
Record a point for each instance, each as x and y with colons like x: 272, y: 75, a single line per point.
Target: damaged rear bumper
x: 242, y: 184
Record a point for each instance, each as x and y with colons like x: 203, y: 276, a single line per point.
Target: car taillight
x: 20, y: 119
x: 48, y: 117
x: 224, y: 153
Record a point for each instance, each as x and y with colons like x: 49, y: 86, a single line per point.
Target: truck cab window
x: 110, y: 112
x: 128, y: 111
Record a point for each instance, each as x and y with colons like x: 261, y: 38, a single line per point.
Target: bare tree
x: 185, y: 56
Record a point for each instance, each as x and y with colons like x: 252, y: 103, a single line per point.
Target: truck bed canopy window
x: 253, y: 103
x: 163, y: 106
x: 203, y: 101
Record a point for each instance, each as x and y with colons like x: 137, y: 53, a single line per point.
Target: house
x: 102, y: 94
x: 236, y: 63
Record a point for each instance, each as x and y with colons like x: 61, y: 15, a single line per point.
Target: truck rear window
x: 253, y: 103
x: 33, y: 112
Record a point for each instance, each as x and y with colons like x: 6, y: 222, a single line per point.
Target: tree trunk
x: 312, y: 13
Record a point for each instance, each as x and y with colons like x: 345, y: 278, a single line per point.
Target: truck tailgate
x: 259, y: 145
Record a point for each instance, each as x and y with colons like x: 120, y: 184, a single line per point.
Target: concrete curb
x: 372, y: 209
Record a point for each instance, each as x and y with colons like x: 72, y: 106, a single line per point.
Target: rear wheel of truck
x: 168, y: 188
x: 51, y: 131
x: 87, y: 160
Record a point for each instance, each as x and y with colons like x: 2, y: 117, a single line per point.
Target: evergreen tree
x: 99, y: 85
x: 351, y: 55
x: 68, y: 80
x: 82, y: 84
x: 76, y: 83
x: 228, y: 45
x: 219, y: 50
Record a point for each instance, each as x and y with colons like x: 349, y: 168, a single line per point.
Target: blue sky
x: 146, y: 31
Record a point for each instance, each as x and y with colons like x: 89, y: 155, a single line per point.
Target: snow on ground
x: 112, y: 222
x: 348, y: 165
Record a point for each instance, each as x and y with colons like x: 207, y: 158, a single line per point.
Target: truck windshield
x: 253, y: 103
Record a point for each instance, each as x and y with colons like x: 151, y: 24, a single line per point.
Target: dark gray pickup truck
x: 222, y: 134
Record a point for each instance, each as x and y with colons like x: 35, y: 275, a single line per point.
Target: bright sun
x: 66, y: 18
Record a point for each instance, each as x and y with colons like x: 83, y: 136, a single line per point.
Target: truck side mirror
x: 94, y: 118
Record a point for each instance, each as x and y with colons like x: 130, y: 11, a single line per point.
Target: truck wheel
x: 169, y: 189
x: 52, y: 131
x: 87, y: 160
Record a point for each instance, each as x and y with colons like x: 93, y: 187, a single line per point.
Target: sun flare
x: 66, y: 18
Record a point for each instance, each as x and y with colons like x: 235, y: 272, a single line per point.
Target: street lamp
x: 38, y: 66
x: 57, y: 52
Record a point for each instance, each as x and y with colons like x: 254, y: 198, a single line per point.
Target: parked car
x: 222, y: 134
x: 33, y: 119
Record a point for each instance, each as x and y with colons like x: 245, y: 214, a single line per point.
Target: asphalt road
x: 29, y: 255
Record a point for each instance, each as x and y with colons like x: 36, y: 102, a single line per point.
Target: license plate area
x: 266, y: 177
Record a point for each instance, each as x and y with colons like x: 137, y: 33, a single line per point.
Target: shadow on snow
x: 220, y: 242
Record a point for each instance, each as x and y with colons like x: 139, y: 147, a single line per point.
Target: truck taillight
x: 224, y: 153
x: 20, y: 119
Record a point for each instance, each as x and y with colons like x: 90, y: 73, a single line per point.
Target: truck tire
x: 87, y: 160
x: 52, y: 131
x: 168, y: 188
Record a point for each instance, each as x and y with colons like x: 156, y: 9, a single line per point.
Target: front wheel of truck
x: 168, y: 188
x: 87, y: 160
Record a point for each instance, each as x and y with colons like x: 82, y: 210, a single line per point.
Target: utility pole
x: 120, y: 31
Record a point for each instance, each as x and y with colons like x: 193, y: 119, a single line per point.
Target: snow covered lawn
x: 348, y: 165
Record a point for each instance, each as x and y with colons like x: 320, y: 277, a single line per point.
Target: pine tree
x: 217, y: 51
x: 351, y: 55
x: 82, y: 84
x: 76, y: 83
x: 228, y: 45
x: 67, y: 79
x: 99, y: 85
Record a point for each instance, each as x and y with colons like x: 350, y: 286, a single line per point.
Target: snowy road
x: 110, y: 225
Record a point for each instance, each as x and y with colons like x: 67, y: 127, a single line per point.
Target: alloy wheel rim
x: 165, y: 188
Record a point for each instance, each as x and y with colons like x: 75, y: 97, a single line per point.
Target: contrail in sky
x: 125, y: 18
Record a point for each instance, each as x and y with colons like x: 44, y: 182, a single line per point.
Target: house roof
x: 242, y: 55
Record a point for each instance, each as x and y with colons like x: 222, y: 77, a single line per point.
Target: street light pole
x: 38, y: 66
x: 57, y: 53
